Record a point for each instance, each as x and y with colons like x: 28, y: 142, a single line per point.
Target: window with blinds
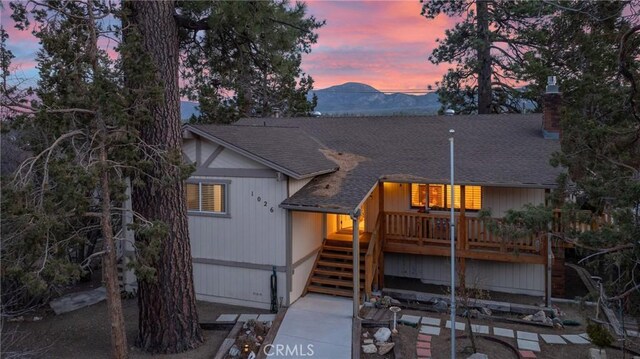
x: 438, y: 196
x: 206, y: 197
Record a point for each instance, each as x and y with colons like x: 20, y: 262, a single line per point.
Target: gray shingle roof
x: 286, y: 149
x: 498, y: 150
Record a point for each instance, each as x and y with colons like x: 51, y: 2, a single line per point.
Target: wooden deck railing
x: 372, y: 258
x: 425, y: 233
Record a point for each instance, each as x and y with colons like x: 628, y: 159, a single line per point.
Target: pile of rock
x: 381, y: 302
x: 380, y: 343
x: 248, y: 343
x: 541, y: 317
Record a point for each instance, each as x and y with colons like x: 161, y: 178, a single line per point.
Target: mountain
x: 357, y: 99
x: 354, y: 98
x: 187, y: 109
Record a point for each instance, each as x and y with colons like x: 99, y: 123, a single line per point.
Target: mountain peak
x: 351, y: 87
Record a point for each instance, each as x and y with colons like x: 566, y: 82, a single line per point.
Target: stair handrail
x: 372, y: 257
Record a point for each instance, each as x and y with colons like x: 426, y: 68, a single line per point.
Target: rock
x: 474, y: 313
x: 382, y: 335
x: 365, y: 335
x: 368, y: 341
x: 478, y: 356
x: 17, y: 319
x: 557, y: 322
x: 369, y: 304
x: 595, y: 353
x: 37, y: 319
x: 441, y: 306
x: 369, y: 349
x: 528, y: 317
x: 395, y: 301
x: 485, y: 311
x: 384, y: 348
x: 539, y: 317
x: 234, y: 351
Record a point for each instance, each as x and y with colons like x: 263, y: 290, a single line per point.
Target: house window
x: 206, y: 197
x: 438, y: 196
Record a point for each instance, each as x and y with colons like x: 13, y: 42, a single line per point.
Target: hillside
x: 358, y: 99
x: 354, y: 98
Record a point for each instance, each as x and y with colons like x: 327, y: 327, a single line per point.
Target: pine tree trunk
x: 168, y: 319
x: 110, y: 270
x: 484, y: 58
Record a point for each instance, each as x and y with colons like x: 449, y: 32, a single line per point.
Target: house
x: 306, y: 199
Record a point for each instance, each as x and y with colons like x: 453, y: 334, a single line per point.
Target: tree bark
x: 168, y: 319
x: 109, y: 268
x: 484, y: 58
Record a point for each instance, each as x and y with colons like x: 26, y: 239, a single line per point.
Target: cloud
x: 385, y: 44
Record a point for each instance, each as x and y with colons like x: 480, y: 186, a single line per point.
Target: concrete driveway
x: 315, y: 326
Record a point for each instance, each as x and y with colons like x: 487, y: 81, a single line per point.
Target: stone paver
x: 508, y: 333
x: 426, y: 329
x: 552, y: 339
x: 527, y: 354
x: 527, y: 336
x: 528, y: 345
x: 575, y: 339
x: 227, y: 318
x: 459, y: 326
x: 247, y: 317
x: 480, y: 329
x: 426, y: 353
x: 410, y: 319
x: 424, y: 338
x: 585, y: 335
x: 431, y: 321
x: 266, y: 317
x: 424, y: 345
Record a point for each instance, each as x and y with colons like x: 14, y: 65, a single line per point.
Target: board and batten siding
x: 233, y: 256
x: 306, y: 236
x: 497, y: 276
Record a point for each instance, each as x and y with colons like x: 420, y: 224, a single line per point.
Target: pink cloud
x: 385, y: 44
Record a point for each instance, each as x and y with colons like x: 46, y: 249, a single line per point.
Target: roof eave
x: 254, y: 157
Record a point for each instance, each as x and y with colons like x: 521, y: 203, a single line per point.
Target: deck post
x: 356, y: 262
x: 462, y: 238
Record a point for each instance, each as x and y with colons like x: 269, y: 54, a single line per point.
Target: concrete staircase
x: 333, y: 270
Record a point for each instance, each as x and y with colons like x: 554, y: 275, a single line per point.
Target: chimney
x: 551, y: 102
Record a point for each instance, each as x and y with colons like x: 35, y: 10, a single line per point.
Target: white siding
x: 295, y: 185
x: 230, y: 159
x: 189, y: 149
x: 396, y: 196
x: 501, y: 199
x: 206, y: 149
x: 253, y: 234
x: 497, y: 276
x: 238, y: 286
x: 306, y: 233
x: 371, y: 210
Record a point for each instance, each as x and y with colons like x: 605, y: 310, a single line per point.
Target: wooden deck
x: 429, y: 234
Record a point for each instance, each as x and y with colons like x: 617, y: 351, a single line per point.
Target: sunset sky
x: 385, y: 44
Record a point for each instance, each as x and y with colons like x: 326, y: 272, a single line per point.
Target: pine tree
x: 242, y: 58
x: 488, y: 47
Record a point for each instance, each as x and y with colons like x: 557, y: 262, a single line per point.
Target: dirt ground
x: 405, y: 342
x: 85, y: 333
x: 440, y: 344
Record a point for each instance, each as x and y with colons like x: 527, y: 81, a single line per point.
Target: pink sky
x: 385, y: 44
